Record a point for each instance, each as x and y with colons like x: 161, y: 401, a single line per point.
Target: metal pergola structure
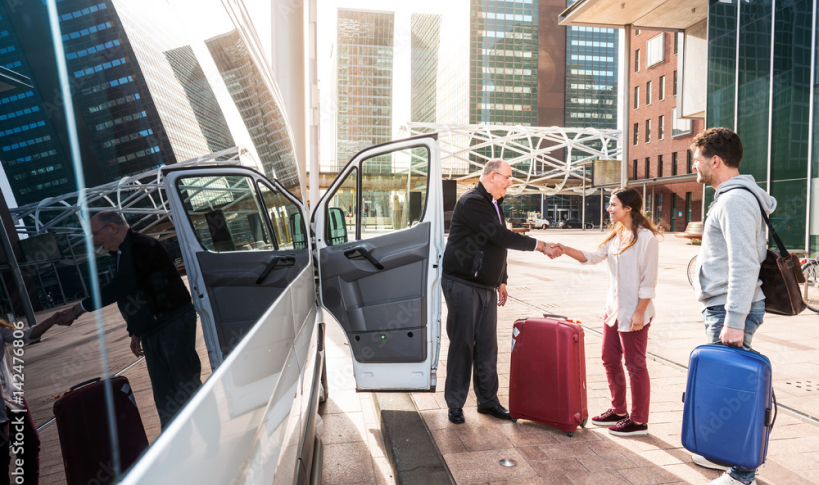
x: 140, y: 198
x: 544, y: 160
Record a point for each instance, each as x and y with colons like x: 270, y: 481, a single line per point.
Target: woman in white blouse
x: 631, y: 249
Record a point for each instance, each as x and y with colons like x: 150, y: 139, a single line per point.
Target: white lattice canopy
x: 544, y: 160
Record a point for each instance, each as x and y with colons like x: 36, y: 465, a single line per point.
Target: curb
x: 410, y: 448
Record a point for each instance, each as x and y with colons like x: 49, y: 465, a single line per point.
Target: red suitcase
x: 82, y: 423
x: 548, y: 373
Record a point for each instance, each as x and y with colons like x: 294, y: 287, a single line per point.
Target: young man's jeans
x: 714, y: 318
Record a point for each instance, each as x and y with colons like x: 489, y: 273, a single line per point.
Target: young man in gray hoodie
x: 734, y: 243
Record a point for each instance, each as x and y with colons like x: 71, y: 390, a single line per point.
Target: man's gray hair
x: 492, y: 166
x: 111, y: 217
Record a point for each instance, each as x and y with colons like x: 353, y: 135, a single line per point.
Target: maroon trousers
x: 632, y: 345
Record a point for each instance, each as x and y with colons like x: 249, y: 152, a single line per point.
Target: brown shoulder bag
x: 780, y: 274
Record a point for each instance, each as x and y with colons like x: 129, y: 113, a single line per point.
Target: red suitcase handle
x: 89, y: 381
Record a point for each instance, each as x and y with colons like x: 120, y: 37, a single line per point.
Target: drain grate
x: 804, y: 385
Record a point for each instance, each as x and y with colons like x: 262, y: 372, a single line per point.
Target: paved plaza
x: 544, y: 455
x: 355, y: 452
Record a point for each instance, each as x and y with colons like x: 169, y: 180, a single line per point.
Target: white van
x: 261, y: 277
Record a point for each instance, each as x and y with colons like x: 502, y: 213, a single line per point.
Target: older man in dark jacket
x: 474, y: 286
x: 157, y: 309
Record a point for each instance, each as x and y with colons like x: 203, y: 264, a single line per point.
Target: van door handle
x: 285, y: 260
x: 360, y: 251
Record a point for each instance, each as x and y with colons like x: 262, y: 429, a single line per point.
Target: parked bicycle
x: 810, y: 291
x: 692, y: 270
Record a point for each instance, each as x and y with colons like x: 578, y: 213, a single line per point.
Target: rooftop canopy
x: 640, y: 14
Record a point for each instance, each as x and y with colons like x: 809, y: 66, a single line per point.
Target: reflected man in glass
x: 157, y: 309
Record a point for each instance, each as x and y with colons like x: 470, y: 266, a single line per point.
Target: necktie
x: 495, y: 203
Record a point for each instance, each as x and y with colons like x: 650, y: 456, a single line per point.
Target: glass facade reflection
x: 262, y: 116
x: 151, y: 83
x: 771, y: 85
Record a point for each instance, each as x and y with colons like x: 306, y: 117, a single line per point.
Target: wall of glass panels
x: 503, y: 62
x: 784, y: 118
x: 591, y: 77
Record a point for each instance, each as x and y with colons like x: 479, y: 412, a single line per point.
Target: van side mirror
x: 297, y: 230
x: 338, y: 228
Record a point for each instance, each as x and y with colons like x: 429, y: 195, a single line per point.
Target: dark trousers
x: 472, y: 328
x: 26, y: 440
x: 173, y: 364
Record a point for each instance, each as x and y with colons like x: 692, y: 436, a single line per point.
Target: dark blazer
x: 146, y: 287
x: 476, y: 249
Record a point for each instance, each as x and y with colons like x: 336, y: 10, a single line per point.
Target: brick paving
x: 547, y: 456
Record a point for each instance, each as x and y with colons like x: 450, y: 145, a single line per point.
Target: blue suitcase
x: 730, y: 407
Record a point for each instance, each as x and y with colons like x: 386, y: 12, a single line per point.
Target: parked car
x: 517, y: 219
x: 541, y: 223
x: 573, y: 224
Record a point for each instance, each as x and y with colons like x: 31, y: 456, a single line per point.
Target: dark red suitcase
x: 82, y: 423
x: 548, y: 373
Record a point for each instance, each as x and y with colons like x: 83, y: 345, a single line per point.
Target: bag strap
x: 784, y: 252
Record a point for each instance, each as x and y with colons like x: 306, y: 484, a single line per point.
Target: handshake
x: 66, y: 317
x: 553, y: 250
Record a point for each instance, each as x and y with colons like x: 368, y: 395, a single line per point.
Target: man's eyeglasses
x: 507, y: 177
x: 94, y: 233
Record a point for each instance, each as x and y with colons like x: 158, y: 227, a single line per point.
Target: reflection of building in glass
x: 365, y: 67
x: 260, y: 112
x: 30, y: 151
x: 426, y: 40
x: 200, y: 95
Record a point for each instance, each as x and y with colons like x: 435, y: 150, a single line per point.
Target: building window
x: 648, y: 167
x: 661, y: 128
x: 648, y: 131
x: 674, y: 85
x: 638, y: 32
x: 687, y: 208
x: 648, y: 93
x: 634, y: 170
x: 636, y: 97
x: 656, y: 50
x: 636, y: 133
x: 680, y: 127
x: 674, y: 164
x: 659, y: 165
x: 661, y: 94
x: 677, y: 36
x: 688, y: 161
x: 637, y: 60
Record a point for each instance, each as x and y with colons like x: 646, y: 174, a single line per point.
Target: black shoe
x: 498, y: 411
x: 456, y: 415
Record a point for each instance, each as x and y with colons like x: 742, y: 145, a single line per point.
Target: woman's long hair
x: 631, y: 198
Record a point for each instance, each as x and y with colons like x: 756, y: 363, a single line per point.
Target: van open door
x: 379, y: 234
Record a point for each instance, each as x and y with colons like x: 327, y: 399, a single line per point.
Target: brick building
x: 660, y: 162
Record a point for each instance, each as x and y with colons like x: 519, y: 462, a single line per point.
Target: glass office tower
x: 32, y: 156
x: 425, y: 42
x: 504, y: 62
x: 591, y: 77
x: 769, y: 103
x: 365, y: 66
